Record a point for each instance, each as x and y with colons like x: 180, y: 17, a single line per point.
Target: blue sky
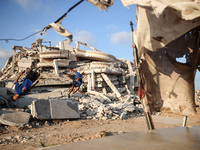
x: 108, y: 32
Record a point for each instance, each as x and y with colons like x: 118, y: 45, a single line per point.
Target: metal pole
x: 184, y: 121
x: 147, y: 114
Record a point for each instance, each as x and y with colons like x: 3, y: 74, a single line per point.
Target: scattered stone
x: 13, y: 117
x: 40, y: 109
x: 108, y: 83
x: 64, y: 109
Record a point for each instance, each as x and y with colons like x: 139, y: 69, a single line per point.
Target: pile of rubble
x: 109, y: 84
x: 197, y: 96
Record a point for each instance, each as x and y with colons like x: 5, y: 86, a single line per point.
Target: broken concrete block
x: 10, y: 85
x: 105, y: 70
x: 81, y: 107
x: 24, y: 101
x: 99, y: 115
x: 130, y: 108
x: 55, y: 64
x: 95, y: 103
x: 89, y: 112
x: 114, y: 89
x: 122, y: 116
x: 121, y: 90
x: 93, y: 80
x: 77, y: 94
x: 40, y: 109
x: 25, y: 65
x: 47, y: 95
x: 132, y: 77
x: 64, y: 109
x: 104, y: 91
x: 3, y: 92
x: 100, y: 110
x: 128, y: 91
x: 12, y: 117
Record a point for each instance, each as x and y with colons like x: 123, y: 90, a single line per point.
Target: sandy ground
x: 64, y: 131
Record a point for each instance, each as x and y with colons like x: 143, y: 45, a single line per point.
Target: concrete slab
x: 13, y: 117
x: 64, y: 109
x: 55, y: 109
x: 178, y: 138
x: 3, y: 93
x: 24, y: 101
x: 47, y: 95
x: 41, y: 109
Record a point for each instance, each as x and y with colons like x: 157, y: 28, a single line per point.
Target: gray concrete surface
x: 12, y: 117
x: 177, y: 138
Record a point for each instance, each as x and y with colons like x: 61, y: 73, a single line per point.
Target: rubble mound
x: 109, y: 84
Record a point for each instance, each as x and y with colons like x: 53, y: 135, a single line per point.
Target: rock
x: 54, y: 109
x: 64, y: 109
x: 12, y: 117
x: 41, y: 109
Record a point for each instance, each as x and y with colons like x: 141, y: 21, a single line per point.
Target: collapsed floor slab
x: 54, y: 109
x: 13, y: 117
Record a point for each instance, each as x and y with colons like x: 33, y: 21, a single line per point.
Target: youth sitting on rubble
x: 28, y: 83
x: 77, y: 81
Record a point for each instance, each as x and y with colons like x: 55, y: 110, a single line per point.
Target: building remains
x: 110, y: 84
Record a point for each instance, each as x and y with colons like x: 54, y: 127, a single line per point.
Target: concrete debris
x: 14, y: 117
x: 64, y: 109
x: 197, y: 96
x: 54, y: 109
x: 40, y: 109
x: 109, y: 84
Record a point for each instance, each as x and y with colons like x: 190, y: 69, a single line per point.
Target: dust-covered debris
x: 110, y: 84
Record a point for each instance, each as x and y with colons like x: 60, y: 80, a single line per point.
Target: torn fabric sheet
x: 61, y: 30
x: 102, y: 4
x: 58, y: 27
x: 160, y: 22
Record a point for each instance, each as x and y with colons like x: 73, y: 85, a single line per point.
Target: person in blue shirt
x: 25, y: 87
x: 77, y: 81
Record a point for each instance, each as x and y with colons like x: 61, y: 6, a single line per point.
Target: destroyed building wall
x: 167, y: 27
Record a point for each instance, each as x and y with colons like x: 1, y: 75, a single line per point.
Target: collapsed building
x: 110, y: 84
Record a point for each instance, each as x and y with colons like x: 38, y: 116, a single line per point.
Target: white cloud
x: 29, y: 4
x: 85, y: 36
x: 5, y: 53
x: 120, y: 37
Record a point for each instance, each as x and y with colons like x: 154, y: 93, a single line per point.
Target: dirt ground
x: 45, y: 134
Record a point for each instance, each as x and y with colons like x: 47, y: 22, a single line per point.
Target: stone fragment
x: 89, y: 112
x: 114, y: 89
x: 121, y: 90
x: 93, y: 80
x: 40, y: 109
x: 10, y: 85
x: 47, y: 95
x: 128, y: 91
x: 77, y: 94
x: 132, y: 77
x: 64, y: 109
x: 81, y: 107
x: 130, y: 108
x: 105, y: 70
x: 3, y: 92
x: 122, y: 116
x: 12, y: 117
